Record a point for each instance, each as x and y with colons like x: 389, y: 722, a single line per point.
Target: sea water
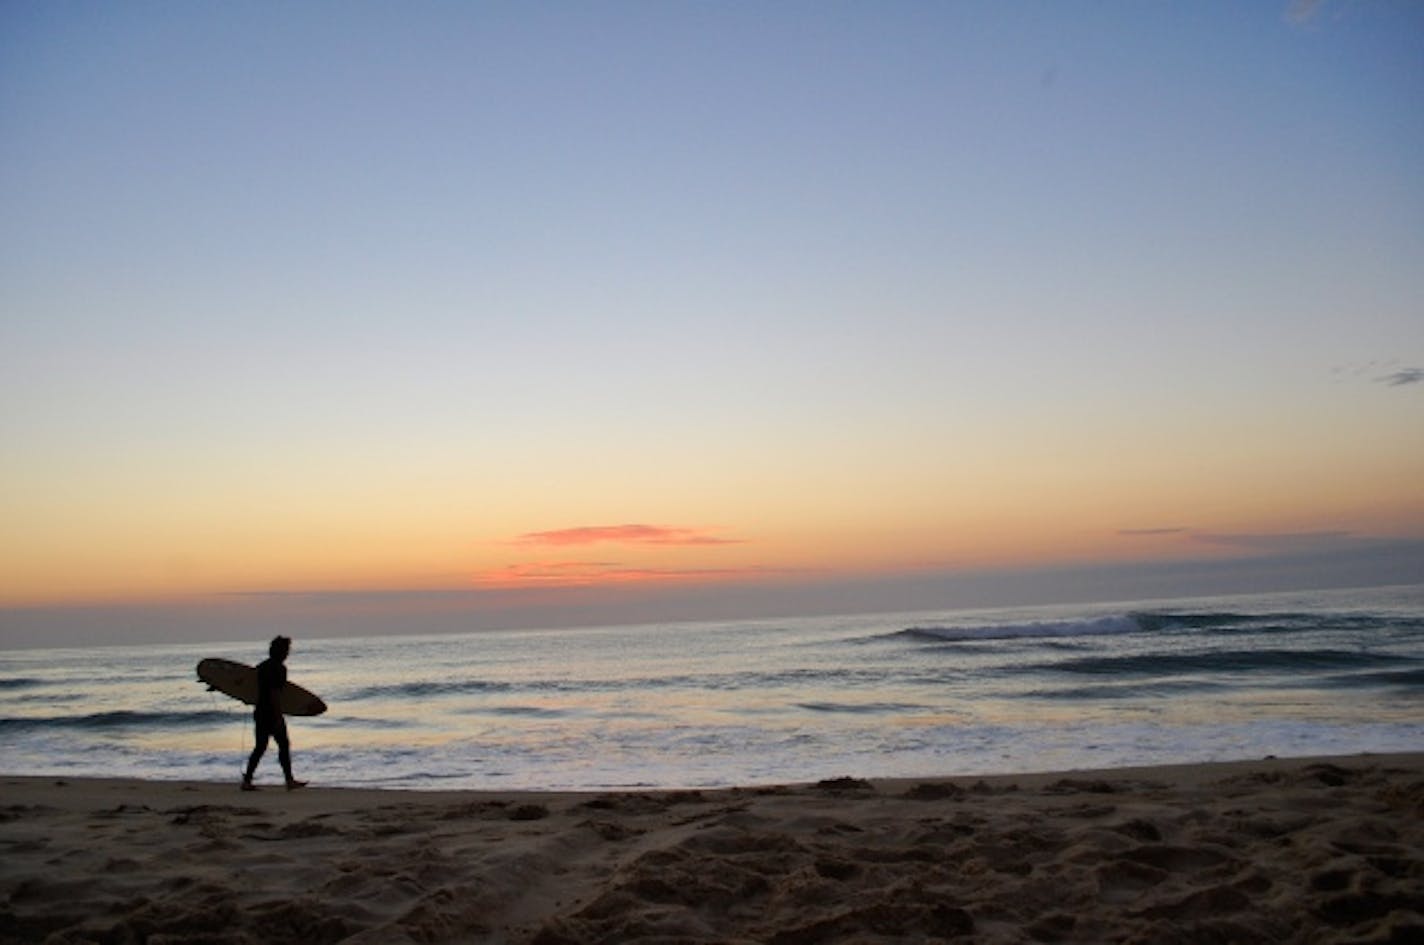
x: 758, y: 701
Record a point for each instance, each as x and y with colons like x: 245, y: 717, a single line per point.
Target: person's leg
x: 263, y: 735
x: 284, y: 748
x: 284, y: 754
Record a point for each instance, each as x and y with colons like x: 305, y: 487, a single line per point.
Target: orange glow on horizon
x: 388, y: 556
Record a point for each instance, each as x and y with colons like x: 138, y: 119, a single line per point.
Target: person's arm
x: 279, y: 682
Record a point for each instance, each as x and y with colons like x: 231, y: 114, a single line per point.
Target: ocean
x: 956, y: 693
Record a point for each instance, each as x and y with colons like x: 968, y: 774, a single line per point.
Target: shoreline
x: 1320, y: 849
x: 1180, y: 773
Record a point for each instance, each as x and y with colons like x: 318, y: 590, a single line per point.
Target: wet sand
x: 1307, y: 851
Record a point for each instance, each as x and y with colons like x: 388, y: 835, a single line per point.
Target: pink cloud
x: 624, y: 535
x: 588, y: 573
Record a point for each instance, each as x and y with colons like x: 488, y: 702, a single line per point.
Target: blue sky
x: 324, y: 297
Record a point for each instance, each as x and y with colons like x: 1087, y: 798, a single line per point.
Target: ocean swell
x: 1111, y: 625
x: 113, y: 720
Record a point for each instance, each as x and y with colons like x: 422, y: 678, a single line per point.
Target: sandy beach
x: 1319, y: 850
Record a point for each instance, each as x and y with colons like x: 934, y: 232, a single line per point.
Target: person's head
x: 280, y: 647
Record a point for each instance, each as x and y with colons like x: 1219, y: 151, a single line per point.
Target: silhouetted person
x: 271, y: 679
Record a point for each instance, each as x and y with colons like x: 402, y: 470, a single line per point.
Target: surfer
x: 271, y: 724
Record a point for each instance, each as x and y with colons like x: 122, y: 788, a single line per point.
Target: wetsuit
x: 271, y: 724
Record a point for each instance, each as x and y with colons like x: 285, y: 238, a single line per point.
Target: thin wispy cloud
x: 1301, y: 12
x: 1403, y: 377
x: 1279, y: 542
x: 587, y: 572
x: 1390, y: 373
x: 1142, y: 532
x: 598, y: 573
x: 624, y: 535
x: 1269, y: 543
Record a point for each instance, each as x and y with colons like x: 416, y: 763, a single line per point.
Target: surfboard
x: 240, y: 681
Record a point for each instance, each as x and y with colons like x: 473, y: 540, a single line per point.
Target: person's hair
x: 280, y: 645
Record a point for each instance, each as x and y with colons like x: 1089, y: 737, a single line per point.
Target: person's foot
x: 293, y: 784
x: 248, y: 785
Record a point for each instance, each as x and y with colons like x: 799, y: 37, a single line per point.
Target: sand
x: 1309, y: 851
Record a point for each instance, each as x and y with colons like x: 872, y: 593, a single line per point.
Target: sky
x: 371, y: 316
